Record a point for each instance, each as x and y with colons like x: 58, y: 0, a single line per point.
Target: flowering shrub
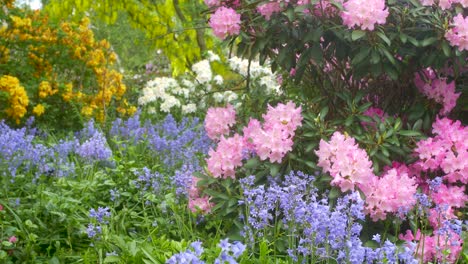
x: 271, y: 140
x: 191, y: 93
x: 62, y: 66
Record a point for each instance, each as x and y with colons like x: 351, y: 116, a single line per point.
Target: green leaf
x: 409, y: 133
x: 148, y: 255
x: 446, y: 49
x: 418, y: 125
x: 110, y: 259
x: 363, y: 53
x: 323, y: 113
x: 428, y: 41
x: 274, y: 169
x: 252, y: 163
x: 357, y: 34
x: 384, y: 38
x: 403, y: 38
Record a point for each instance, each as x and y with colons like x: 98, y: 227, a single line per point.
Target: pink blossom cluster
x: 268, y: 9
x: 223, y: 161
x: 274, y: 138
x: 197, y: 204
x: 391, y: 193
x: 444, y: 4
x: 446, y: 151
x: 373, y: 112
x: 450, y: 196
x: 434, y: 247
x: 437, y: 89
x: 225, y: 21
x: 458, y: 34
x: 212, y: 3
x: 364, y: 13
x: 274, y: 6
x: 325, y: 8
x: 345, y: 161
x: 350, y: 167
x: 270, y: 140
x: 219, y: 121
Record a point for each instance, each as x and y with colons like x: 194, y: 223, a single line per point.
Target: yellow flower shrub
x: 61, y: 65
x: 17, y: 98
x: 38, y: 110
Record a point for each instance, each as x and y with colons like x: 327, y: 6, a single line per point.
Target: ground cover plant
x: 276, y: 131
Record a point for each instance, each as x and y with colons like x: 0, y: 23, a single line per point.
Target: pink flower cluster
x: 350, y: 167
x: 433, y: 247
x: 219, y: 120
x: 268, y: 9
x: 437, y: 89
x: 225, y: 21
x: 444, y: 4
x: 212, y: 3
x: 345, y: 161
x: 458, y: 34
x: 447, y: 150
x: 270, y: 140
x: 198, y: 204
x: 364, y: 13
x: 275, y: 138
x: 393, y: 192
x: 325, y: 8
x: 227, y: 157
x: 373, y: 112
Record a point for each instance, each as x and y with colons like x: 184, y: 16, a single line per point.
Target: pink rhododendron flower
x: 437, y: 89
x: 12, y: 239
x: 224, y: 22
x: 364, y: 14
x: 390, y: 193
x: 374, y: 112
x: 288, y: 115
x: 326, y: 8
x: 346, y: 162
x: 269, y: 9
x: 227, y: 157
x: 252, y: 129
x: 447, y: 150
x: 275, y: 138
x: 435, y: 246
x: 219, y: 120
x: 193, y: 190
x: 438, y: 216
x: 212, y: 3
x: 458, y: 34
x: 272, y: 143
x: 451, y: 196
x: 200, y: 204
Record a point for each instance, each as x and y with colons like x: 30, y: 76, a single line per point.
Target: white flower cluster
x: 260, y: 75
x: 192, y: 91
x: 186, y: 94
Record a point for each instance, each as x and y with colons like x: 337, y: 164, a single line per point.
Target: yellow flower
x: 45, y: 89
x: 87, y: 111
x: 38, y: 110
x: 131, y: 110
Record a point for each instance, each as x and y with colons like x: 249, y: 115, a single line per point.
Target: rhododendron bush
x: 320, y: 131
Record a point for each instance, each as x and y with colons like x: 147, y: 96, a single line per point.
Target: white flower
x: 168, y: 102
x: 272, y: 86
x: 218, y: 97
x: 203, y: 72
x: 189, y: 108
x: 230, y: 96
x: 151, y: 110
x: 218, y: 79
x: 213, y: 56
